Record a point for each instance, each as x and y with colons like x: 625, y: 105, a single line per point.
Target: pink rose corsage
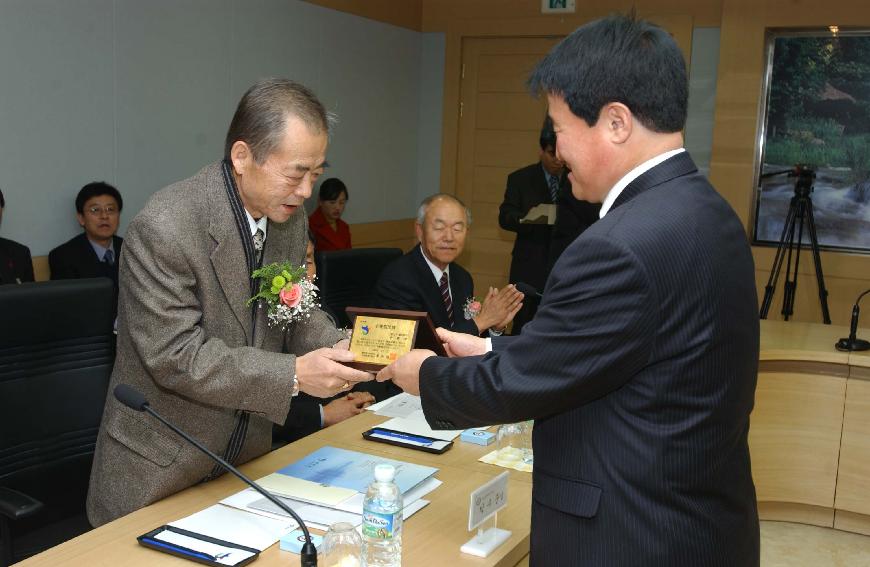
x: 472, y: 308
x: 285, y: 291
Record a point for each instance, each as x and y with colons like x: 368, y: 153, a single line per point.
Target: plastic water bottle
x: 382, y: 520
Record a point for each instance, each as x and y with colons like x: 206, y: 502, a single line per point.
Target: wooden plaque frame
x: 424, y: 331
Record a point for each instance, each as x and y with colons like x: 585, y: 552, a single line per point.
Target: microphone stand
x: 852, y: 342
x: 133, y: 399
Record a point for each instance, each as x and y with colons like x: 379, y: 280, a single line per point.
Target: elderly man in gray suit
x: 187, y: 338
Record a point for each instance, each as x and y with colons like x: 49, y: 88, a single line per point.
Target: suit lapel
x: 673, y: 167
x: 432, y: 293
x: 228, y: 256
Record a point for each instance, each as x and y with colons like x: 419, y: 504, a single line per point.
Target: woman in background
x: 330, y: 232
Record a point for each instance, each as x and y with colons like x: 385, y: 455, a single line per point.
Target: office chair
x: 56, y: 354
x: 347, y: 277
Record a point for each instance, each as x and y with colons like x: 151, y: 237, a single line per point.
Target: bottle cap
x: 385, y: 472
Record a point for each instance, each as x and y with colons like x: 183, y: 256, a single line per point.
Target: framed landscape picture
x: 816, y: 114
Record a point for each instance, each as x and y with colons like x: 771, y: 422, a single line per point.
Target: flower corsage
x: 472, y: 308
x: 287, y: 293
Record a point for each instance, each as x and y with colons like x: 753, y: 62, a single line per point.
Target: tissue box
x: 477, y: 436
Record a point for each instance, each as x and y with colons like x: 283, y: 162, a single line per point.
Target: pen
x: 179, y: 549
x: 406, y: 436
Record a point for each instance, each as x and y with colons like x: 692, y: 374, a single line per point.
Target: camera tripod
x: 800, y: 210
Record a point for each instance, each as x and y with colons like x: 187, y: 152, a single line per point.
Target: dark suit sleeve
x: 594, y: 330
x: 26, y: 266
x: 303, y: 419
x: 60, y: 266
x: 463, y: 289
x: 396, y: 290
x: 511, y: 210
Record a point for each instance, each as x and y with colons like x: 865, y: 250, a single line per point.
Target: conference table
x: 432, y: 536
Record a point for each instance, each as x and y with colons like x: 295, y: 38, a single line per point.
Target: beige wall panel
x: 510, y: 111
x: 794, y: 437
x: 800, y: 513
x: 508, y: 73
x: 851, y: 522
x: 486, y: 223
x: 406, y: 14
x: 482, y: 282
x: 490, y: 183
x: 853, y: 482
x: 371, y: 233
x: 505, y: 148
x: 487, y: 257
x: 41, y: 271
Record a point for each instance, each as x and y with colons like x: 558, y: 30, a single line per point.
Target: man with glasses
x: 93, y: 253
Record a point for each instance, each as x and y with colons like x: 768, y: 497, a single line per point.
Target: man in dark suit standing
x: 533, y: 185
x: 16, y: 265
x: 639, y: 368
x: 428, y: 279
x: 95, y: 252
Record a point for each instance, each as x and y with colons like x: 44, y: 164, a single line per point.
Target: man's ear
x: 618, y: 121
x: 241, y: 157
x: 81, y: 219
x: 418, y: 230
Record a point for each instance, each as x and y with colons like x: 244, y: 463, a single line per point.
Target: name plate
x: 380, y: 336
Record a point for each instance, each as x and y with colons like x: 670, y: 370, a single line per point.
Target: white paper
x: 237, y: 526
x: 417, y: 426
x: 402, y: 405
x: 222, y: 554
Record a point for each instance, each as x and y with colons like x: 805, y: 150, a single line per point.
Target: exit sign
x: 557, y: 6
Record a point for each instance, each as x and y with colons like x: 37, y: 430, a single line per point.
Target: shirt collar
x: 436, y: 271
x: 253, y: 225
x: 100, y: 251
x: 631, y: 176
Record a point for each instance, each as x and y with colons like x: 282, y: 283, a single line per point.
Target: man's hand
x: 461, y: 344
x: 348, y: 406
x: 499, y: 308
x: 405, y: 372
x: 320, y: 374
x: 343, y: 344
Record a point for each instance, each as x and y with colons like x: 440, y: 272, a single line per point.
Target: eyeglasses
x: 109, y: 210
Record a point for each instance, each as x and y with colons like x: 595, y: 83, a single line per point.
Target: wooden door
x: 499, y: 128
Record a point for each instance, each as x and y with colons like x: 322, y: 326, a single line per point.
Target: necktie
x: 109, y: 257
x: 259, y: 239
x: 554, y: 187
x: 445, y: 296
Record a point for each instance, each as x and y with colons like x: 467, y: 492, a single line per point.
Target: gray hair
x: 261, y: 116
x: 424, y: 206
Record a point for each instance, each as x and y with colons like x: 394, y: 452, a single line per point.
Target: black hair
x: 548, y: 136
x: 95, y: 189
x: 331, y: 189
x: 618, y: 59
x: 2, y: 200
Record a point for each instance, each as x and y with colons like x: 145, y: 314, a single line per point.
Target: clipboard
x: 205, y: 556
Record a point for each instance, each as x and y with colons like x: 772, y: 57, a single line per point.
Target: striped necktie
x: 259, y: 239
x: 109, y: 257
x: 554, y: 187
x: 445, y: 296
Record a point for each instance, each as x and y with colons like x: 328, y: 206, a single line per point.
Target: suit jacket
x: 76, y: 259
x: 526, y: 188
x: 16, y: 265
x: 187, y: 341
x: 573, y: 216
x: 407, y: 283
x: 640, y: 371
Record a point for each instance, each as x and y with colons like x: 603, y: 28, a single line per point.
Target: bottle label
x: 380, y: 526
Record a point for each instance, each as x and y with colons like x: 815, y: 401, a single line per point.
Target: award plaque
x: 380, y: 336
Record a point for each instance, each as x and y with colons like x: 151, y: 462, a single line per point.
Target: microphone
x: 852, y: 342
x: 528, y: 290
x: 133, y: 399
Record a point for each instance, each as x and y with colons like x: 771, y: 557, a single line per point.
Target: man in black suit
x: 428, y: 279
x: 528, y: 187
x: 640, y: 365
x: 16, y: 265
x: 95, y: 252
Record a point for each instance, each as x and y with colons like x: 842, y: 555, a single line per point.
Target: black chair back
x: 347, y: 277
x: 57, y: 349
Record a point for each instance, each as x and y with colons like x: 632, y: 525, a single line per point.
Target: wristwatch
x: 294, y: 391
x: 495, y: 332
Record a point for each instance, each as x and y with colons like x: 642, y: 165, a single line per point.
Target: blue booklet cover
x: 350, y: 469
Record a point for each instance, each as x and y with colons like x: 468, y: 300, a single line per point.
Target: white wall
x: 140, y: 93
